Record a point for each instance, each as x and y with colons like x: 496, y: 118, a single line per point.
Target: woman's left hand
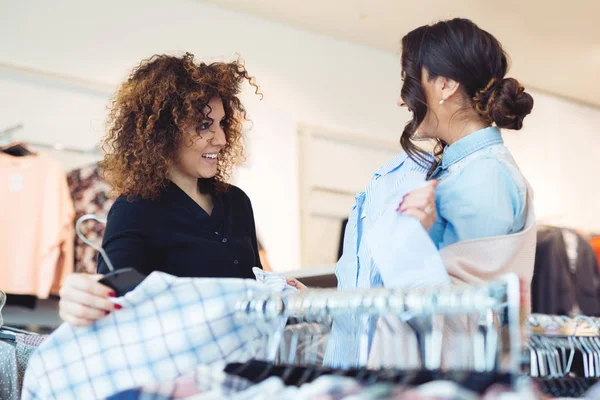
x: 420, y: 204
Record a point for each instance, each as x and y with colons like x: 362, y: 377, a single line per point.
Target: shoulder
x: 239, y: 201
x: 236, y: 194
x: 131, y: 203
x: 489, y: 172
x: 132, y: 212
x: 483, y: 185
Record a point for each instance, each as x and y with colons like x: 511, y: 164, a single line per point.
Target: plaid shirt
x: 168, y: 326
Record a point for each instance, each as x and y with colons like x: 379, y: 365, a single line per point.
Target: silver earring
x: 442, y: 101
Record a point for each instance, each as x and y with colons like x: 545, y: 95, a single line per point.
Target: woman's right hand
x: 83, y: 300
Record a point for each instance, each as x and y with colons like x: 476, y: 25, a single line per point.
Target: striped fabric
x: 351, y: 336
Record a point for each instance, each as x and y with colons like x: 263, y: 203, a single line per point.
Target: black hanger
x: 267, y: 369
x: 17, y: 150
x: 238, y: 368
x: 306, y: 377
x: 287, y: 372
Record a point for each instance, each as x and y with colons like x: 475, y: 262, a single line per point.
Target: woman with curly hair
x: 174, y: 135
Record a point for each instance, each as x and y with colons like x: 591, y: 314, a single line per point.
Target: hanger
x: 423, y: 311
x: 17, y: 149
x: 11, y: 147
x: 122, y: 280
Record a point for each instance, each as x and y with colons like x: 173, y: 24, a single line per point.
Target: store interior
x: 329, y: 75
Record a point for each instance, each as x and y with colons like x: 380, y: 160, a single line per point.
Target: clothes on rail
x: 167, y: 327
x: 595, y: 242
x: 90, y: 195
x: 14, y: 357
x: 15, y: 349
x: 283, y: 380
x: 304, y: 343
x: 212, y: 383
x: 36, y: 225
x: 9, y: 381
x: 257, y: 371
x: 566, y: 279
x: 563, y: 353
x: 203, y: 382
x: 571, y: 387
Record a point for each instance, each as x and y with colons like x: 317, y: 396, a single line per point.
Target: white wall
x: 558, y: 151
x: 306, y: 78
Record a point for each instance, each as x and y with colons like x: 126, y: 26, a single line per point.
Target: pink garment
x: 472, y: 262
x: 36, y: 225
x: 481, y: 260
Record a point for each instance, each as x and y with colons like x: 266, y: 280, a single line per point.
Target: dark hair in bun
x: 504, y: 103
x: 458, y: 49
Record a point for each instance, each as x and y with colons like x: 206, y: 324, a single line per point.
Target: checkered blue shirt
x: 168, y: 326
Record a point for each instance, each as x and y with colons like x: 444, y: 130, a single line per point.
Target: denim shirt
x: 351, y: 336
x: 481, y: 191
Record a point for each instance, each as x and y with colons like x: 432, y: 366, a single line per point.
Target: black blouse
x: 175, y: 235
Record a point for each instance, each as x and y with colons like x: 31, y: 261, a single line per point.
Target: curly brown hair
x: 163, y: 97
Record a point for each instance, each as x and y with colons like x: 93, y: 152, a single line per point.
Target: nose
x: 400, y: 102
x: 220, y: 138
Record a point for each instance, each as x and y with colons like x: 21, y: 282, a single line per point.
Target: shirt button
x: 236, y: 262
x: 224, y: 240
x: 216, y: 233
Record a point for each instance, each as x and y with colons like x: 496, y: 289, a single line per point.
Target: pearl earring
x: 442, y: 101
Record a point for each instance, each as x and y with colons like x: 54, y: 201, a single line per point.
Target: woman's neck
x: 188, y: 184
x: 459, y: 131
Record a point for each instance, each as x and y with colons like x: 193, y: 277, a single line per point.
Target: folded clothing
x: 275, y: 282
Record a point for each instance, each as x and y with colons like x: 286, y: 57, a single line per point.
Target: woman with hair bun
x: 476, y: 207
x: 456, y: 87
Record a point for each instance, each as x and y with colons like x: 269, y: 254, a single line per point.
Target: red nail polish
x: 112, y: 294
x: 106, y: 312
x: 118, y: 306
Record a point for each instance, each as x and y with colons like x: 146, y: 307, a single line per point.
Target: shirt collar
x: 391, y: 165
x: 470, y: 144
x: 175, y: 193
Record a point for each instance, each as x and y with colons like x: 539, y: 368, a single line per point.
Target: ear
x: 447, y: 87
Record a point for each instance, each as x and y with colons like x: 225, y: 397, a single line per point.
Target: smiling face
x: 198, y: 154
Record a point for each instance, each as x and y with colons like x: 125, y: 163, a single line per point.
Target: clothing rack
x: 6, y: 137
x: 94, y: 151
x: 10, y: 130
x: 558, y: 325
x: 495, y: 304
x: 564, y: 353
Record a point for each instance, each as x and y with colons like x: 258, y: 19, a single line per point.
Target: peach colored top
x: 36, y: 225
